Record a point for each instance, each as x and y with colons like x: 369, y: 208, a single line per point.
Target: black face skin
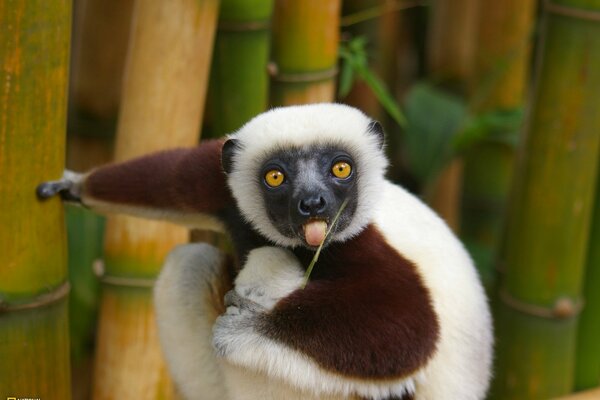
x: 309, y: 190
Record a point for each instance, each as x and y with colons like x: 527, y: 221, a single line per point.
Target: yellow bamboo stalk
x: 304, y: 49
x: 34, y: 336
x: 163, y: 98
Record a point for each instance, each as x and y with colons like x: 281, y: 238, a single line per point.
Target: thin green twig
x: 377, y: 11
x: 318, y: 252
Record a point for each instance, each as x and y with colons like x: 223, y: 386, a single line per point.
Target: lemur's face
x: 303, y: 189
x: 290, y: 170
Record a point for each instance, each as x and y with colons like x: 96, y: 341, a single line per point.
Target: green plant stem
x: 318, y: 252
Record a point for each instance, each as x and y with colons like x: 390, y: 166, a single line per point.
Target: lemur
x: 393, y: 309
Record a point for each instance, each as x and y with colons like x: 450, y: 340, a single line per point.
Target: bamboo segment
x: 100, y: 37
x: 587, y: 368
x: 34, y: 54
x: 239, y: 86
x: 34, y: 349
x: 451, y: 50
x: 451, y: 42
x: 304, y: 54
x: 502, y: 58
x: 129, y: 340
x: 445, y: 194
x: 99, y: 56
x: 587, y: 395
x: 548, y: 224
x: 163, y: 97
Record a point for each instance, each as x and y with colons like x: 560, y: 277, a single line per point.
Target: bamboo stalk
x: 166, y: 74
x: 239, y: 85
x: 587, y: 366
x: 549, y: 217
x: 100, y: 38
x: 450, y: 59
x: 587, y: 395
x: 502, y: 58
x: 34, y: 338
x: 304, y: 55
x: 451, y: 42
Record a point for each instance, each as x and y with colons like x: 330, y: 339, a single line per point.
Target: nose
x: 312, y: 205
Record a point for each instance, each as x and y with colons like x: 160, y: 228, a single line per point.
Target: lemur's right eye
x: 274, y: 178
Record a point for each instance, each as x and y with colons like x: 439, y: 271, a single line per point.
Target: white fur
x: 304, y: 125
x: 270, y: 274
x: 184, y: 299
x: 461, y: 367
x: 190, y: 220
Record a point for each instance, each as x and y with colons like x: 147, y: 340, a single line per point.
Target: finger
x: 46, y: 190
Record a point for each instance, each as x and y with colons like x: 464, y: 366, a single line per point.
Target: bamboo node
x: 300, y: 77
x: 563, y: 308
x: 100, y: 272
x: 571, y: 12
x: 38, y: 301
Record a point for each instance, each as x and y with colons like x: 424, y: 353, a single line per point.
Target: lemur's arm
x: 185, y: 185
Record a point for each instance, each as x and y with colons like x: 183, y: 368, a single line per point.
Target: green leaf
x: 355, y: 64
x: 496, y: 125
x: 433, y: 118
x: 346, y: 79
x: 383, y: 96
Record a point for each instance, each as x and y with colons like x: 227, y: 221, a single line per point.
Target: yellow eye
x: 274, y: 178
x: 341, y: 169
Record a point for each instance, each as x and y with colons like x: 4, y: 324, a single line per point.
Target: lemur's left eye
x: 341, y: 169
x: 274, y: 178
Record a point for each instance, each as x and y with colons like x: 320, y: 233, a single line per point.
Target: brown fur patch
x: 365, y: 312
x: 187, y: 180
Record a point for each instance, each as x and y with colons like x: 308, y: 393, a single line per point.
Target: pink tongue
x: 314, y: 232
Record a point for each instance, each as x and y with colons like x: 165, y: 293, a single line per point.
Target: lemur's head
x: 290, y: 170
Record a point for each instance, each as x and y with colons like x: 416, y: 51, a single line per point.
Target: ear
x: 229, y: 149
x: 376, y: 129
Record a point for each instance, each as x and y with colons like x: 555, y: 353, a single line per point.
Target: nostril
x: 303, y: 207
x: 312, y: 205
x: 321, y: 203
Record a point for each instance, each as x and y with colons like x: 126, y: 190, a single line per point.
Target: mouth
x: 315, y: 231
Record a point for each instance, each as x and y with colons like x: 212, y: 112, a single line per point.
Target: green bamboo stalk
x: 501, y: 63
x: 587, y: 360
x: 34, y: 337
x: 239, y: 83
x: 304, y: 51
x: 548, y: 223
x: 166, y: 76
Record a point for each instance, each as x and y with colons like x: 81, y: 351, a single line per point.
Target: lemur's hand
x: 270, y: 274
x: 68, y: 187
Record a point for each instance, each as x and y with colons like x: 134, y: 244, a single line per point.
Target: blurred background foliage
x: 491, y: 110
